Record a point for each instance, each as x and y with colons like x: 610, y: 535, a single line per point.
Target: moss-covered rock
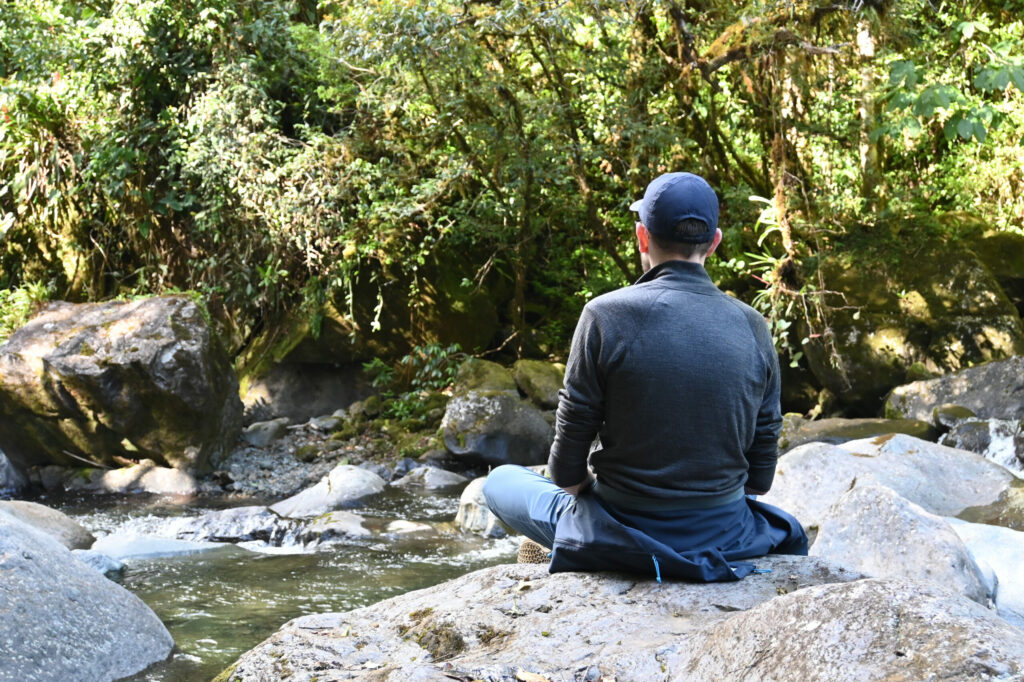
x: 153, y: 382
x: 539, y: 380
x: 934, y: 309
x: 483, y: 375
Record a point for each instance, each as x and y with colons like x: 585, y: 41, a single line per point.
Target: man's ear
x: 642, y: 237
x: 716, y: 241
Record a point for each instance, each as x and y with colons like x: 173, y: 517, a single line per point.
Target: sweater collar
x: 679, y: 274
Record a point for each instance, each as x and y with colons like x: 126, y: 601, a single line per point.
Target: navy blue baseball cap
x: 676, y: 196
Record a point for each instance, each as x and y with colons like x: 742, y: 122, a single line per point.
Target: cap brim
x: 635, y: 206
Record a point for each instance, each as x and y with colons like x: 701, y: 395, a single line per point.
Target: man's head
x: 679, y: 213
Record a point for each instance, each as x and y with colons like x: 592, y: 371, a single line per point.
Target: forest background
x: 399, y: 174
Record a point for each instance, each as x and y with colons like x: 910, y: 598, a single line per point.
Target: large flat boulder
x: 806, y: 619
x: 994, y: 390
x: 942, y: 480
x: 62, y: 620
x: 119, y: 380
x: 491, y: 623
x: 873, y: 530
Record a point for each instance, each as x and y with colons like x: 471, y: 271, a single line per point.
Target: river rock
x: 475, y: 374
x: 109, y: 567
x: 877, y: 629
x: 496, y: 428
x: 238, y: 524
x: 540, y: 381
x: 1002, y: 549
x: 345, y: 486
x: 134, y: 380
x: 999, y: 440
x: 145, y: 477
x: 874, y: 530
x: 474, y: 516
x: 949, y: 314
x: 12, y: 481
x: 333, y: 527
x: 942, y: 480
x: 57, y: 525
x: 262, y: 434
x: 797, y: 431
x: 431, y: 478
x: 494, y: 622
x: 63, y: 620
x: 994, y: 390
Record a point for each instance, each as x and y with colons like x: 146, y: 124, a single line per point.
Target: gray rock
x: 262, y: 434
x: 144, y: 379
x: 474, y: 516
x: 431, y: 478
x: 994, y: 390
x: 12, y: 481
x: 345, y: 486
x: 496, y: 428
x: 797, y: 431
x: 1002, y: 550
x: 328, y: 423
x: 63, y: 620
x: 999, y: 440
x: 239, y: 524
x: 109, y: 567
x: 333, y: 527
x: 874, y: 530
x: 133, y: 546
x: 944, y: 481
x: 492, y: 623
x: 874, y: 629
x: 57, y: 525
x: 540, y: 381
x: 145, y: 477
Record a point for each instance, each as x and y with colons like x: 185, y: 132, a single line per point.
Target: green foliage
x: 276, y: 158
x: 18, y: 305
x: 426, y: 369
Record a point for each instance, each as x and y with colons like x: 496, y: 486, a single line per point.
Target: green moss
x: 227, y: 674
x: 442, y: 640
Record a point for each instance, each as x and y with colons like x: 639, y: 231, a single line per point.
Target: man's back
x: 685, y: 381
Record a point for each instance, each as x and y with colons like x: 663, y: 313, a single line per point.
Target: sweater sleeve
x: 580, y: 405
x: 763, y: 453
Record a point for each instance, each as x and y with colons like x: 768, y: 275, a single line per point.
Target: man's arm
x: 763, y: 453
x: 580, y: 410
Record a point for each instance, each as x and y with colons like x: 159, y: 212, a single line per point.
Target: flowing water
x: 219, y: 603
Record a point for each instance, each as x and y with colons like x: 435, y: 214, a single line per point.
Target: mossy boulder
x: 540, y: 381
x: 133, y: 380
x: 496, y: 427
x: 935, y: 308
x: 1003, y: 254
x: 483, y: 375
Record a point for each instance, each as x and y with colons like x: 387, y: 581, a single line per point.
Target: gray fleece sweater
x: 681, y: 382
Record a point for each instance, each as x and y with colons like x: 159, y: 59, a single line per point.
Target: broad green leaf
x: 965, y: 128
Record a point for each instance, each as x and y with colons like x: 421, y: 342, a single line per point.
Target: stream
x: 221, y: 602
